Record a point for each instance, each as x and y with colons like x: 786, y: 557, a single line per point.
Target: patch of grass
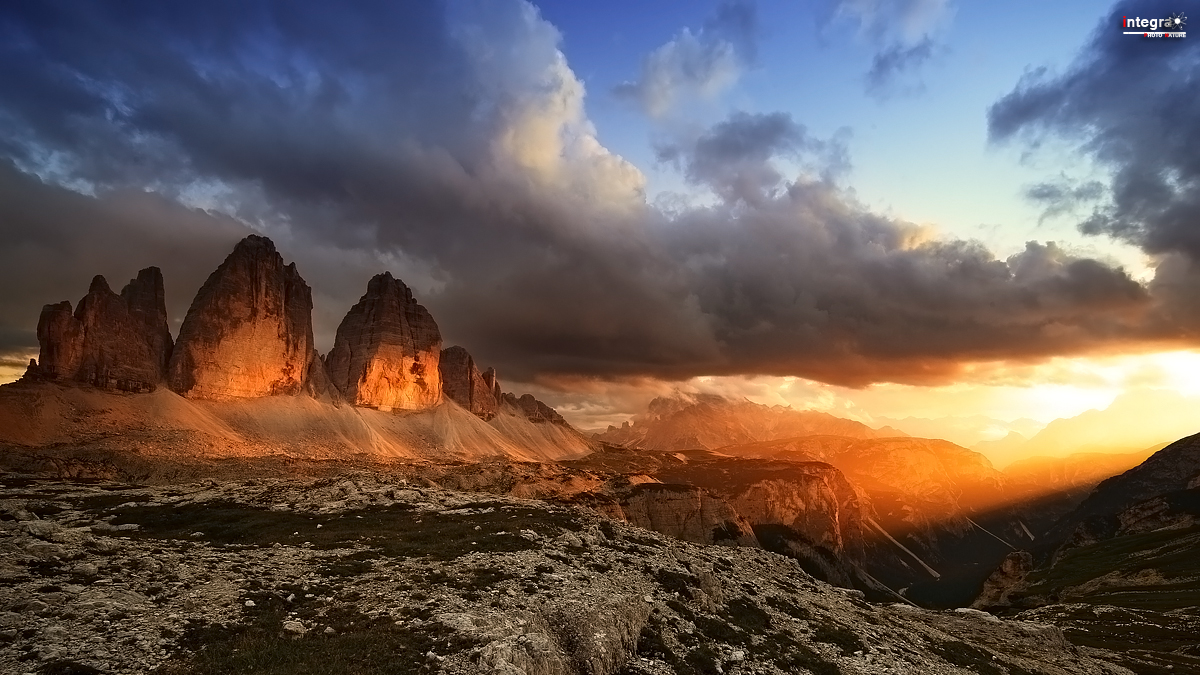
x: 359, y: 645
x: 1170, y: 552
x: 395, y: 531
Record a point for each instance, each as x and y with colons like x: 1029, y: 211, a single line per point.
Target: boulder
x: 112, y: 341
x: 465, y: 385
x: 248, y: 332
x: 387, y: 350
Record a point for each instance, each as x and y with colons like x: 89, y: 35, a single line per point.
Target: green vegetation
x: 357, y: 645
x: 1172, y: 554
x: 394, y: 531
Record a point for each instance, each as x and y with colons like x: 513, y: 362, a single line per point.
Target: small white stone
x: 249, y: 603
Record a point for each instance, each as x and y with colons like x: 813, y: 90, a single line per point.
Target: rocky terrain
x: 387, y: 350
x: 370, y: 573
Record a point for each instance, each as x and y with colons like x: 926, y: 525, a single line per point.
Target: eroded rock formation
x: 465, y: 385
x: 387, y: 350
x: 112, y: 341
x: 248, y: 332
x: 533, y: 409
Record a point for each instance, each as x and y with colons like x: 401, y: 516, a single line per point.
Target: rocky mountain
x: 248, y: 337
x: 463, y: 383
x: 1134, y: 420
x: 387, y: 350
x: 533, y: 409
x: 1120, y: 503
x: 111, y: 341
x: 1081, y: 471
x: 1133, y: 542
x: 248, y: 332
x: 968, y: 431
x: 687, y: 422
x: 1003, y: 451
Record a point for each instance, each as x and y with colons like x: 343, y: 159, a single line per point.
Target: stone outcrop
x: 465, y: 385
x: 1010, y: 575
x: 534, y: 410
x: 688, y: 513
x: 387, y: 350
x: 112, y: 341
x: 248, y: 332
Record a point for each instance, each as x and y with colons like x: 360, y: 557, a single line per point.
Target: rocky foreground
x: 374, y: 575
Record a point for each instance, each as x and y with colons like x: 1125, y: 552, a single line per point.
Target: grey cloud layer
x: 453, y: 147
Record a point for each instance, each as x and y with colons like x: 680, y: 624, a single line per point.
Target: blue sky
x: 921, y: 152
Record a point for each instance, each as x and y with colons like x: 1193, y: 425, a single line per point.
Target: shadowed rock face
x: 387, y: 350
x: 248, y: 332
x: 111, y: 341
x: 465, y: 385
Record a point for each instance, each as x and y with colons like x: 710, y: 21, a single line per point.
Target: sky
x: 879, y: 208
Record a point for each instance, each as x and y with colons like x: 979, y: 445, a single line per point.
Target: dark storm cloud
x: 452, y: 148
x: 56, y: 240
x: 1131, y: 104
